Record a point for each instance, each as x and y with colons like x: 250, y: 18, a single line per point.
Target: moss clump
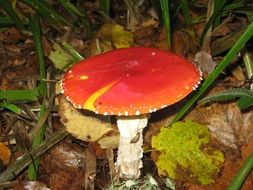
x: 185, y: 153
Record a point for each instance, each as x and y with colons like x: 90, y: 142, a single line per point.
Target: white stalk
x: 130, y: 145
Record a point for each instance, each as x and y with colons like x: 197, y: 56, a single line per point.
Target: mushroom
x: 130, y: 83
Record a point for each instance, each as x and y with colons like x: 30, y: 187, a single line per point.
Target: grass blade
x: 105, y: 6
x: 166, y: 19
x: 245, y: 102
x: 10, y: 107
x: 225, y: 43
x: 46, y: 10
x: 73, y: 52
x: 248, y: 62
x: 19, y: 95
x: 217, y: 5
x: 76, y: 14
x: 241, y: 176
x: 186, y: 12
x: 71, y: 8
x: 6, y: 21
x: 217, y: 71
x: 12, y: 14
x: 35, y: 26
x: 211, y: 20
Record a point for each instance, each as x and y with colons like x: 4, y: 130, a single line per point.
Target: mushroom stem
x: 130, y: 145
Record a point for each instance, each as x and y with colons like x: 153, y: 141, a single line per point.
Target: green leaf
x: 60, y: 58
x: 19, y: 95
x: 105, y: 6
x: 10, y: 107
x: 185, y: 153
x: 71, y: 8
x: 12, y: 14
x: 49, y: 12
x: 63, y: 56
x: 165, y: 8
x: 215, y: 14
x: 36, y: 30
x: 228, y: 95
x: 245, y: 102
x: 242, y: 174
x: 186, y: 12
x: 76, y: 56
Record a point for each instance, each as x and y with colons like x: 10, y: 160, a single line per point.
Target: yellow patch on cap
x: 89, y: 104
x: 84, y: 77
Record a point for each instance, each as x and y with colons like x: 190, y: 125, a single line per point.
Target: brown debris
x: 31, y: 185
x: 68, y: 166
x: 10, y: 36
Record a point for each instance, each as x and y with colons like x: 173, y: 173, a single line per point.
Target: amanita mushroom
x: 130, y: 83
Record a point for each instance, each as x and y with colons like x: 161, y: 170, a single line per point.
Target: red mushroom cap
x: 129, y: 81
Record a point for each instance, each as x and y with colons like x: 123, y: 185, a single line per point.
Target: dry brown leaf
x: 82, y: 126
x: 183, y: 44
x: 5, y: 154
x: 161, y: 42
x: 205, y: 62
x: 227, y: 123
x: 231, y: 127
x: 223, y: 30
x: 150, y: 23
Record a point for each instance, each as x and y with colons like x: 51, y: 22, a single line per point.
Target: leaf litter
x: 64, y: 165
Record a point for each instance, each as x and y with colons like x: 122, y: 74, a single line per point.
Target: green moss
x: 185, y: 153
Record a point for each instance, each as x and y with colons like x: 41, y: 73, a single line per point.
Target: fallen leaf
x: 183, y: 44
x: 111, y: 36
x: 205, y: 62
x: 222, y: 30
x: 60, y: 58
x: 228, y: 124
x: 88, y: 127
x: 147, y: 34
x: 5, y: 154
